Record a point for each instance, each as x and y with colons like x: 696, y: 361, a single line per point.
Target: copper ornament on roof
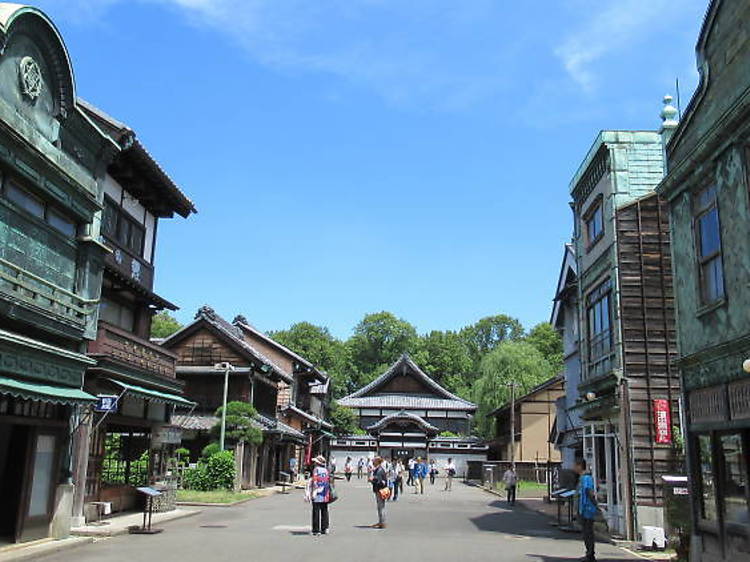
x: 30, y: 76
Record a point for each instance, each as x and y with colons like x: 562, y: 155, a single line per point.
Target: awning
x: 154, y: 395
x: 44, y: 392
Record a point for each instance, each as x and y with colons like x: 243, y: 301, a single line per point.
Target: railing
x: 37, y: 291
x: 129, y: 265
x: 546, y: 473
x: 128, y: 348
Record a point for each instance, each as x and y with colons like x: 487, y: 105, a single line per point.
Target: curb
x: 232, y: 504
x: 35, y: 551
x: 104, y: 532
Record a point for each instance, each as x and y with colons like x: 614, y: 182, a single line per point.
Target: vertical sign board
x: 662, y: 422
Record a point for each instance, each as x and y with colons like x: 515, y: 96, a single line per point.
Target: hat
x: 320, y: 459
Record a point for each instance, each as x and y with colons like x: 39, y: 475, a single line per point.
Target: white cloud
x: 608, y: 28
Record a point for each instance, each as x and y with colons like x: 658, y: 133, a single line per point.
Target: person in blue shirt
x: 588, y: 508
x: 420, y: 472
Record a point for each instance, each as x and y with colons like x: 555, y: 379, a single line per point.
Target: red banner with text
x: 662, y: 422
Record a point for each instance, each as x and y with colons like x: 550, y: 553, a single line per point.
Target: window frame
x: 8, y: 182
x: 593, y: 299
x: 699, y: 211
x: 123, y: 220
x: 596, y: 205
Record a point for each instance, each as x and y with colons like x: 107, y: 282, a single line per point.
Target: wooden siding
x: 648, y: 337
x: 205, y: 348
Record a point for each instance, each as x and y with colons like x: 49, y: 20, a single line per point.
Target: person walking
x: 399, y: 488
x: 293, y: 469
x: 348, y: 469
x: 379, y: 481
x: 510, y: 478
x: 588, y: 508
x: 360, y: 468
x: 433, y: 471
x: 450, y: 472
x: 392, y: 473
x: 421, y: 471
x: 318, y: 492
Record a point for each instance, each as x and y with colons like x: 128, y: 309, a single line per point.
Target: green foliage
x: 447, y: 434
x: 317, y: 345
x: 115, y: 465
x: 182, y: 452
x: 239, y: 423
x: 549, y: 343
x: 516, y: 362
x: 164, y: 325
x: 344, y: 419
x: 210, y: 449
x: 359, y: 431
x: 447, y: 358
x: 379, y: 339
x: 489, y: 332
x: 214, y: 473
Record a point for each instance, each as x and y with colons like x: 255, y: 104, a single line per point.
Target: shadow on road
x: 545, y: 558
x: 519, y: 521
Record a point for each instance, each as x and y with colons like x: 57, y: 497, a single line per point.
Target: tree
x: 379, y: 339
x: 549, y: 343
x: 445, y: 356
x: 317, y: 345
x: 344, y: 419
x: 240, y: 424
x: 516, y: 362
x: 489, y: 332
x: 164, y: 325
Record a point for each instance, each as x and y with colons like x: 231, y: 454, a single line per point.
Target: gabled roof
x: 242, y: 323
x: 568, y: 275
x: 207, y: 316
x: 404, y: 416
x: 543, y: 386
x: 140, y: 158
x: 403, y: 365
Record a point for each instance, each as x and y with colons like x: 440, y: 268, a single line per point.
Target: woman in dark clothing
x: 379, y: 481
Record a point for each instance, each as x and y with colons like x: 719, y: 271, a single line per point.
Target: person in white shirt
x: 510, y: 478
x: 450, y: 472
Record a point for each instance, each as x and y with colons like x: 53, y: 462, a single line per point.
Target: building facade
x: 568, y: 432
x: 629, y: 391
x: 52, y: 159
x: 534, y: 414
x: 123, y: 448
x: 406, y: 414
x: 707, y: 188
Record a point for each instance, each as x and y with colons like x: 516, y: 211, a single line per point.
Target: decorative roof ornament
x: 240, y: 319
x: 30, y: 78
x: 206, y: 311
x: 669, y: 113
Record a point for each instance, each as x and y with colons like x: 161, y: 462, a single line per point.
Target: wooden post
x: 81, y: 438
x: 513, y: 426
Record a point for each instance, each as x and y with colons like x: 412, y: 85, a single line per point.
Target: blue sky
x: 352, y: 156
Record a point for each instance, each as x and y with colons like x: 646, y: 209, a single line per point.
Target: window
x: 733, y: 458
x: 708, y: 245
x: 706, y: 479
x: 600, y: 341
x: 120, y: 227
x: 594, y: 219
x: 39, y: 208
x: 117, y: 314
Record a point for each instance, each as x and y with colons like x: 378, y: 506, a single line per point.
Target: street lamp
x: 225, y: 366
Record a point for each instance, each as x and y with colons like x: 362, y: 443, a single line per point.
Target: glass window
x: 109, y: 218
x: 708, y: 245
x: 117, y: 314
x: 61, y: 223
x: 594, y: 224
x: 734, y: 459
x: 599, y: 329
x: 24, y: 199
x: 706, y: 476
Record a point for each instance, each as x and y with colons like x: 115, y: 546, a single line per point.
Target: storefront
x: 601, y: 448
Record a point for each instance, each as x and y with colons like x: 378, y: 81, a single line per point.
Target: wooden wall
x: 649, y: 338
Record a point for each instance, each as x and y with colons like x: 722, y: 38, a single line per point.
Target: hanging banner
x: 662, y: 422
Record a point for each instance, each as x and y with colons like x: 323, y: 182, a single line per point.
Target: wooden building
x: 123, y: 448
x: 52, y: 159
x: 535, y: 415
x: 407, y: 414
x: 629, y: 391
x: 708, y: 194
x: 255, y: 378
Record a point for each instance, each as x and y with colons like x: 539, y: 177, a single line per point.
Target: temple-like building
x: 406, y: 414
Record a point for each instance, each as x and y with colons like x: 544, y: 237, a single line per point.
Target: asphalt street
x: 464, y: 525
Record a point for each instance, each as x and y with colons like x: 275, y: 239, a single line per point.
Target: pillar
x: 81, y: 439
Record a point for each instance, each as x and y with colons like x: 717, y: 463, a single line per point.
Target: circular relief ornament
x: 30, y: 76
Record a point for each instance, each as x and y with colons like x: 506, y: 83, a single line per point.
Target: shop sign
x: 166, y: 434
x: 662, y: 422
x: 106, y: 403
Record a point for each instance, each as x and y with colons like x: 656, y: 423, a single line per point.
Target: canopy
x: 154, y: 395
x: 44, y: 392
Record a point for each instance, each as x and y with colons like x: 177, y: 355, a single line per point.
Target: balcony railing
x: 39, y: 292
x: 130, y: 350
x: 130, y: 266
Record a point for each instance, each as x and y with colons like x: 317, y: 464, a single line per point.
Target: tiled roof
x: 272, y: 425
x: 404, y: 415
x: 194, y: 422
x: 400, y: 366
x: 407, y: 402
x: 205, y: 423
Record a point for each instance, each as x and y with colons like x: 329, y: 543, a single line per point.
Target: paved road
x: 465, y: 525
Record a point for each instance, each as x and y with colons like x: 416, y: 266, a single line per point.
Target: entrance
x: 602, y: 451
x: 28, y: 467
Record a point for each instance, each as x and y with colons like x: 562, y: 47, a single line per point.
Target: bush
x: 210, y: 449
x: 214, y: 473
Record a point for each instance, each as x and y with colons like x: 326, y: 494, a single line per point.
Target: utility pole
x: 226, y: 366
x: 513, y: 426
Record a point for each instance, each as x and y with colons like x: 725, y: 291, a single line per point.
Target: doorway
x: 14, y: 443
